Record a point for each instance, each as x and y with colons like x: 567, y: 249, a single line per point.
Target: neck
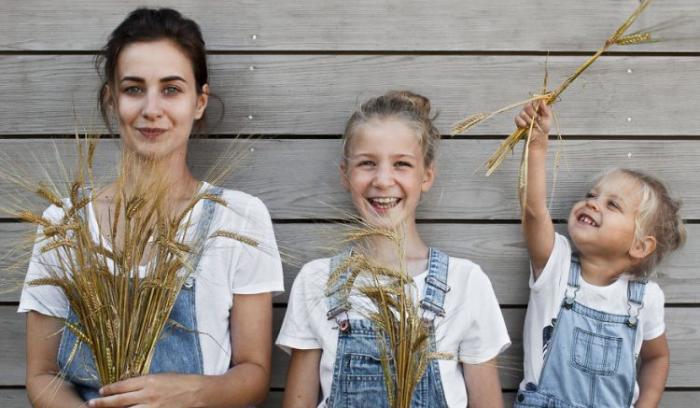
x: 602, y: 271
x: 411, y: 254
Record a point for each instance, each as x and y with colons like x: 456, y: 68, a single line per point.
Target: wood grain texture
x: 17, y: 398
x: 335, y: 25
x: 298, y: 179
x: 497, y: 248
x: 315, y: 94
x: 683, y: 328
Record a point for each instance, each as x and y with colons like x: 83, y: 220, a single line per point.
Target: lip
x: 379, y: 208
x: 151, y: 133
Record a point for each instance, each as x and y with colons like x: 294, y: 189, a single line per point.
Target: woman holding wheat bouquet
x: 216, y: 343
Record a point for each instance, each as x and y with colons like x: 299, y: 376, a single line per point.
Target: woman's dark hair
x: 145, y: 24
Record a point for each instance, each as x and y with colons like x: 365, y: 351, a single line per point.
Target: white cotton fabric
x: 547, y: 294
x: 227, y: 268
x: 473, y: 330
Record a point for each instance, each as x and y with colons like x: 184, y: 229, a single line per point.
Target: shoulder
x: 466, y: 275
x: 242, y: 208
x: 653, y: 295
x: 314, y: 271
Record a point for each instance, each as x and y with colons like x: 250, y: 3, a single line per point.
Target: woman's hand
x: 152, y: 391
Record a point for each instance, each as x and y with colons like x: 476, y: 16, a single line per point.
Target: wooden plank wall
x: 292, y: 72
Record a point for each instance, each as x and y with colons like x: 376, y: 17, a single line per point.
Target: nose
x: 592, y: 203
x: 152, y: 108
x: 383, y: 177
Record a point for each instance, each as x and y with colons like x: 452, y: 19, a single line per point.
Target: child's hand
x: 543, y: 121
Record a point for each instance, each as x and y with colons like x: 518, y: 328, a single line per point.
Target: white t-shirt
x: 226, y: 268
x: 473, y: 330
x: 547, y: 293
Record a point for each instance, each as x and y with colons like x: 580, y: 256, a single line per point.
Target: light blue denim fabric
x: 178, y: 349
x: 358, y: 377
x: 590, y: 360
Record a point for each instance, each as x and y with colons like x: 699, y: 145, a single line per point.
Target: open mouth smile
x: 585, y: 219
x: 383, y: 203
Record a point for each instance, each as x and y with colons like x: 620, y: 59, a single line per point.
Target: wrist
x: 198, y: 390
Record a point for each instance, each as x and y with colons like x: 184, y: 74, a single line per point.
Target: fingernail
x: 102, y: 391
x: 91, y: 403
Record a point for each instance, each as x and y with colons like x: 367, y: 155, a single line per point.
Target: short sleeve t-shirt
x: 547, y: 294
x: 472, y: 330
x: 227, y: 268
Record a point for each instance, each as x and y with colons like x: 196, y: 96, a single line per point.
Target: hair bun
x: 420, y: 103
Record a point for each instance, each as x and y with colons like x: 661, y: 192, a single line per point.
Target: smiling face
x: 385, y: 172
x: 156, y: 98
x: 604, y: 224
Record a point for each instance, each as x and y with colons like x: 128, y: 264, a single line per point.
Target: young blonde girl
x: 388, y: 163
x: 592, y: 314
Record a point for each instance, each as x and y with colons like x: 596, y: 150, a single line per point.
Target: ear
x: 428, y: 178
x: 343, y: 168
x: 641, y: 248
x: 202, y: 101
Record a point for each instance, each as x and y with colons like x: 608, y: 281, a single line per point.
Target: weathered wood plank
x: 682, y: 330
x: 297, y: 179
x: 409, y: 25
x: 315, y: 94
x: 498, y: 248
x: 11, y: 398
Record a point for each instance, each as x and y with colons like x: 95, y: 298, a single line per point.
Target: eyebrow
x: 164, y: 79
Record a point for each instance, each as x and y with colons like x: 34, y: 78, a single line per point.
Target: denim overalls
x: 358, y: 377
x: 590, y: 360
x: 178, y: 349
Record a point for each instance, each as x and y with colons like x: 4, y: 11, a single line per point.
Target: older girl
x: 388, y: 164
x: 156, y: 87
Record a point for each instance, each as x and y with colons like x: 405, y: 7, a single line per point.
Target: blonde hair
x: 658, y: 215
x: 414, y: 109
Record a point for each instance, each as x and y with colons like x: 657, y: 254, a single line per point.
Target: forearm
x: 652, y: 380
x: 243, y: 385
x: 538, y: 229
x: 49, y: 391
x: 483, y: 385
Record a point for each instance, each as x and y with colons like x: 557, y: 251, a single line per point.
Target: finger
x: 117, y: 401
x: 545, y: 111
x: 120, y: 387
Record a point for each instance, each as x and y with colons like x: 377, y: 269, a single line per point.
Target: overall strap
x: 337, y: 292
x: 573, y: 283
x: 203, y: 226
x: 635, y: 300
x: 435, y: 286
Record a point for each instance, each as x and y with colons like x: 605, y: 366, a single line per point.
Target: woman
x: 155, y: 85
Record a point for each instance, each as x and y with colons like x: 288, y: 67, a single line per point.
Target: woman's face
x: 156, y: 98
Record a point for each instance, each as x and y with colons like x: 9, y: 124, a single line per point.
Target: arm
x: 537, y: 223
x: 303, y: 382
x: 653, y: 372
x: 44, y: 388
x: 246, y: 383
x: 483, y: 385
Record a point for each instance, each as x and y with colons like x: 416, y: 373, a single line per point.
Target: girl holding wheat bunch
x: 215, y: 349
x: 593, y: 313
x: 388, y: 162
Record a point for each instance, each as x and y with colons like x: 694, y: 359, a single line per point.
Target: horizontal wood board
x: 683, y: 326
x: 497, y: 248
x: 299, y: 180
x: 336, y: 25
x: 315, y: 94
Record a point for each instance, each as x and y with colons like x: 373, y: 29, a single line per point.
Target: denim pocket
x: 595, y: 353
x: 363, y: 382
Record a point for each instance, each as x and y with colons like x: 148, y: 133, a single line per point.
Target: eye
x: 402, y: 163
x: 365, y: 163
x: 590, y: 195
x: 171, y: 90
x: 133, y: 90
x: 614, y: 205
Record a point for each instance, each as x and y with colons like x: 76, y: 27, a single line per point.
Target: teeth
x: 384, y: 202
x: 587, y: 220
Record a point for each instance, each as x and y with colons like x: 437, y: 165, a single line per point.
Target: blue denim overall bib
x: 178, y: 349
x: 590, y: 360
x: 358, y: 377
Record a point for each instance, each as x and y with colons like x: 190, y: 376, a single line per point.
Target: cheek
x: 128, y: 110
